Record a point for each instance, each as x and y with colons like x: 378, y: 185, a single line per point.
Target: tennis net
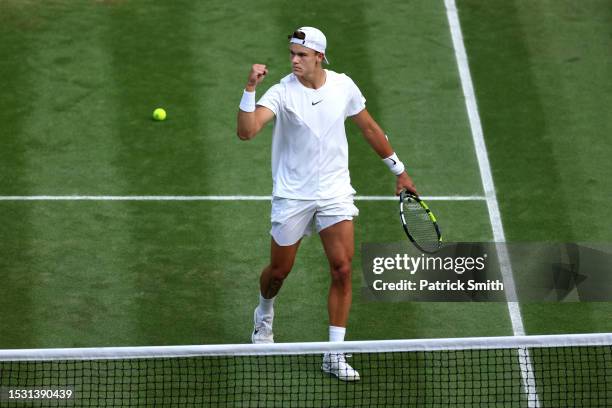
x: 522, y: 371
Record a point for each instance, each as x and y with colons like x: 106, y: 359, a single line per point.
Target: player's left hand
x: 404, y: 182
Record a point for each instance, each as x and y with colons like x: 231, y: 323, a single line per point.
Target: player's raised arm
x: 252, y: 118
x: 379, y: 142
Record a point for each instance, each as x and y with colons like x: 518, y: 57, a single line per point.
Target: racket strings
x: 420, y: 226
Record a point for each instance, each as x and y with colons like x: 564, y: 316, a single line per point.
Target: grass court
x: 81, y: 79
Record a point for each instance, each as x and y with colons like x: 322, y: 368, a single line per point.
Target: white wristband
x: 247, y: 103
x: 394, y: 164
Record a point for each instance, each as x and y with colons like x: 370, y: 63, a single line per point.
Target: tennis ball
x: 159, y: 114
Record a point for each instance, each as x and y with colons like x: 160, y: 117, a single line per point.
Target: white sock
x: 336, y: 333
x: 266, y: 306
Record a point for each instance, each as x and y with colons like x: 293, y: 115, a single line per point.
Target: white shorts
x: 293, y: 219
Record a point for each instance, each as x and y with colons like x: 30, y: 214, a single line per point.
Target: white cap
x: 313, y: 39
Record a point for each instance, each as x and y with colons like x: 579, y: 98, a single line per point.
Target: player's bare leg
x: 281, y: 262
x: 270, y: 282
x: 338, y: 242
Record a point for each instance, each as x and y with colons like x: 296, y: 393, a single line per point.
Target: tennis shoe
x: 336, y: 365
x: 262, y: 331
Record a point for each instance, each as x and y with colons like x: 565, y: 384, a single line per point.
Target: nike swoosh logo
x: 314, y: 103
x: 394, y: 162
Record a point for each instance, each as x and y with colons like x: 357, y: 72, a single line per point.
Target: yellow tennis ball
x: 159, y: 114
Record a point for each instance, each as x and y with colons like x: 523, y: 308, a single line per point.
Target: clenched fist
x: 257, y: 74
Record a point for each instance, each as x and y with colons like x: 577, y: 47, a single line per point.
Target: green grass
x: 542, y: 85
x: 140, y: 273
x: 162, y: 273
x: 86, y: 76
x: 82, y: 79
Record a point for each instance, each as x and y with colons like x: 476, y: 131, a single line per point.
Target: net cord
x: 374, y: 346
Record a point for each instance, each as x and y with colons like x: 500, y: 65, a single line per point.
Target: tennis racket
x: 419, y: 223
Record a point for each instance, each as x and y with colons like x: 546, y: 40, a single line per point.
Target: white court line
x: 209, y: 198
x: 491, y: 198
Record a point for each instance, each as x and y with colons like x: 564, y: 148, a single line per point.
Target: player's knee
x: 279, y: 272
x: 341, y: 273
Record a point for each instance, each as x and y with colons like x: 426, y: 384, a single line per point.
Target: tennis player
x: 311, y: 181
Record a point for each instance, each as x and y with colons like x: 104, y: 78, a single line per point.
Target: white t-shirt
x: 309, y: 146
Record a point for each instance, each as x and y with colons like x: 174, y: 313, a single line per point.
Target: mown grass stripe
x: 19, y: 24
x: 70, y: 135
